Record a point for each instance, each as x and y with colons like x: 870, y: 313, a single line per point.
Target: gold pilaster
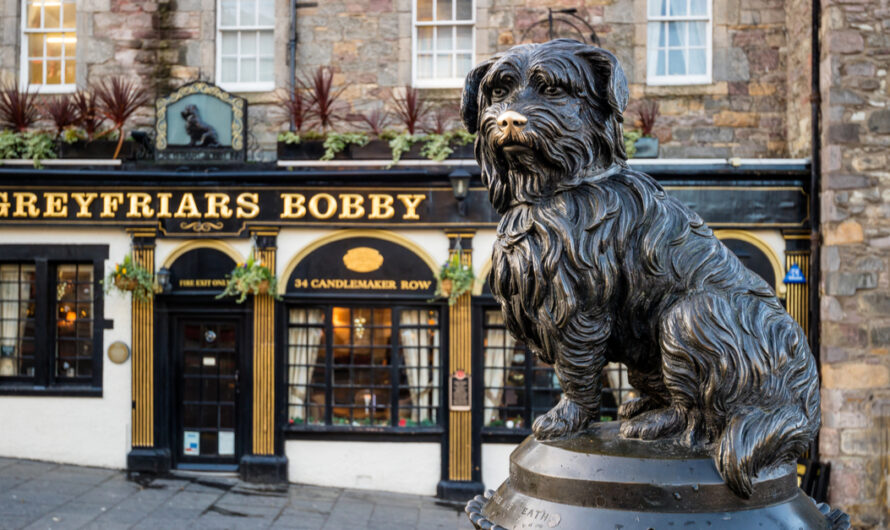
x: 460, y: 432
x: 142, y: 364
x: 264, y: 356
x: 797, y: 299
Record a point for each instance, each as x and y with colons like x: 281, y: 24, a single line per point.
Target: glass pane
x: 267, y: 69
x: 53, y: 72
x: 229, y: 70
x: 425, y: 39
x: 424, y: 10
x: 52, y: 16
x: 35, y: 45
x: 676, y: 62
x: 464, y: 64
x: 697, y: 33
x: 424, y: 66
x: 69, y: 48
x: 698, y: 7
x: 35, y: 72
x: 68, y: 12
x: 697, y: 62
x: 443, y: 66
x: 248, y: 71
x: 70, y: 71
x: 33, y: 15
x: 248, y: 43
x: 247, y: 13
x: 228, y: 17
x: 657, y: 8
x: 443, y: 10
x: 267, y: 44
x: 445, y: 38
x: 266, y: 13
x: 676, y: 34
x: 662, y: 33
x: 464, y: 9
x: 54, y: 44
x: 464, y: 37
x: 229, y: 43
x: 678, y: 7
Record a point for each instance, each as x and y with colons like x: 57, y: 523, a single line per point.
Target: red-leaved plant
x: 18, y: 108
x: 648, y: 114
x: 87, y: 109
x: 411, y: 109
x: 61, y: 111
x: 296, y: 105
x: 441, y: 120
x: 375, y: 120
x: 323, y: 98
x: 118, y: 100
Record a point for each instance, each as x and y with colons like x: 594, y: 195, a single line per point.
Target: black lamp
x: 163, y: 277
x: 460, y: 185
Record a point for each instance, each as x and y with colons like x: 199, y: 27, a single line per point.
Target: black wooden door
x: 208, y: 393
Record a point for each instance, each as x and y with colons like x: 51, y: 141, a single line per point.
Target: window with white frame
x: 49, y: 43
x: 444, y: 42
x: 679, y: 42
x: 245, y: 49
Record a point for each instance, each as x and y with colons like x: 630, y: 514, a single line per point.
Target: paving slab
x: 42, y: 495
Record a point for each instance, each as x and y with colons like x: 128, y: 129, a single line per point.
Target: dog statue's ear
x: 608, y: 77
x: 469, y: 102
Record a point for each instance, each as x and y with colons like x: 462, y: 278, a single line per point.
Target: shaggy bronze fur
x: 595, y: 263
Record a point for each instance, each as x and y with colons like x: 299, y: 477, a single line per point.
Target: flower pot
x: 305, y: 150
x: 373, y: 150
x: 463, y: 151
x: 262, y: 287
x: 101, y: 149
x: 125, y: 284
x: 446, y: 286
x: 647, y: 147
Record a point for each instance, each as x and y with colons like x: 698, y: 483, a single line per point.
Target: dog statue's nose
x: 511, y: 121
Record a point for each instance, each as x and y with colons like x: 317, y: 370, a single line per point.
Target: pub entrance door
x: 207, y: 359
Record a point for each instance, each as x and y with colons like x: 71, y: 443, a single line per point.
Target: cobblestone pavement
x: 41, y: 495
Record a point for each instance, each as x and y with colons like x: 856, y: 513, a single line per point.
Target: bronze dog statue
x: 201, y: 133
x: 595, y: 263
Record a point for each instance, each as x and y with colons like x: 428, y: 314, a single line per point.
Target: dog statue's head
x: 189, y: 112
x: 546, y: 116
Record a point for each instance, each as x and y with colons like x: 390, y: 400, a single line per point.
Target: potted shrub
x: 647, y: 144
x: 314, y: 102
x: 117, y: 100
x: 250, y: 277
x: 85, y: 139
x: 130, y: 277
x: 454, y: 278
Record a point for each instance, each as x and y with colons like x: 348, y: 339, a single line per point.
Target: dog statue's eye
x: 498, y: 92
x: 554, y: 90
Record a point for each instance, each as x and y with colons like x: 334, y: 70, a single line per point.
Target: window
x: 245, y: 47
x: 679, y: 42
x: 49, y: 45
x: 50, y: 325
x: 364, y: 367
x: 444, y: 42
x: 518, y: 387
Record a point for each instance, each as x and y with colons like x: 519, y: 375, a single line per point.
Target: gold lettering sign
x: 356, y: 284
x: 363, y: 259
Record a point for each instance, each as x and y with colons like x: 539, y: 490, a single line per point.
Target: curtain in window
x: 677, y: 48
x: 14, y: 295
x: 420, y: 355
x: 303, y: 343
x: 499, y: 347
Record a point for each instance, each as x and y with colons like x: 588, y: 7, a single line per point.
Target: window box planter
x: 647, y: 147
x: 373, y: 150
x: 103, y: 149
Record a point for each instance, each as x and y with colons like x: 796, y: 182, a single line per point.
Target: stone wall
x: 855, y: 289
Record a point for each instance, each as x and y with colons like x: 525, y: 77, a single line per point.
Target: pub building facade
x: 352, y: 373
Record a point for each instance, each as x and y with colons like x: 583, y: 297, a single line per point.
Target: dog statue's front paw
x: 654, y: 424
x: 636, y: 406
x: 563, y: 420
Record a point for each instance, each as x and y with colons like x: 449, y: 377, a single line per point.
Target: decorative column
x: 145, y: 454
x: 262, y: 465
x: 464, y: 474
x: 797, y: 295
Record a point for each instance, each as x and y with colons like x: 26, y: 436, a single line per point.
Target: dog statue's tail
x: 755, y: 439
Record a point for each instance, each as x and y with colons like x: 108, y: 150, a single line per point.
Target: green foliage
x: 39, y: 146
x: 250, y: 277
x: 462, y: 137
x: 630, y: 137
x: 313, y: 135
x: 436, y: 147
x: 401, y: 144
x: 455, y: 278
x: 337, y: 142
x: 72, y: 134
x: 129, y: 276
x: 289, y: 137
x: 12, y: 145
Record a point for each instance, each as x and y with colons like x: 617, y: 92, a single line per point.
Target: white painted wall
x: 382, y: 466
x: 83, y: 431
x: 496, y: 464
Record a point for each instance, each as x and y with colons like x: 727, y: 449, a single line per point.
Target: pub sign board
x: 362, y: 265
x: 200, y: 122
x: 201, y: 269
x: 459, y: 391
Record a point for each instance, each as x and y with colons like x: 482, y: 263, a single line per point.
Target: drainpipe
x: 815, y: 188
x: 292, y: 52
